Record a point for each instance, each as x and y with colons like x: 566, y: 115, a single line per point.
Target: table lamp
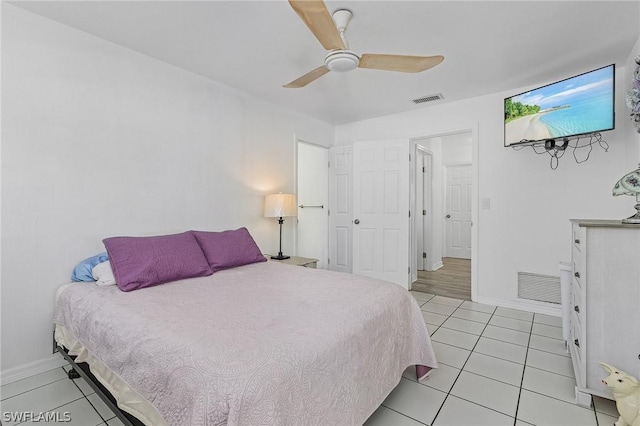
x: 629, y: 184
x: 280, y: 205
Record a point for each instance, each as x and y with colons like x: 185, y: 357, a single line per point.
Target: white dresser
x: 604, y: 320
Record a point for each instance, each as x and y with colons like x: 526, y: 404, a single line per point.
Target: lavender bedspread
x: 260, y: 344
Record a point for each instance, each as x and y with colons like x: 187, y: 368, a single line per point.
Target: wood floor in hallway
x: 452, y: 280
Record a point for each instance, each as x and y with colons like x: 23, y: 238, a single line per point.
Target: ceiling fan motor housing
x: 342, y: 17
x: 341, y: 60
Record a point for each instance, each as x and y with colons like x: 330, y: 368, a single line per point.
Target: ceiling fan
x: 330, y: 33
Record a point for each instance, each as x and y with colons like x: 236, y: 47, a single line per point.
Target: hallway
x: 452, y: 280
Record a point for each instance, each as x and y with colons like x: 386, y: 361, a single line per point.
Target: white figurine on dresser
x: 604, y: 302
x: 626, y: 390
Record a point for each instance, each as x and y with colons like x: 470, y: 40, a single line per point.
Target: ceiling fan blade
x: 401, y: 63
x: 307, y: 78
x: 314, y: 13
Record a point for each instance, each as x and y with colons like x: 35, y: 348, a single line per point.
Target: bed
x: 264, y: 343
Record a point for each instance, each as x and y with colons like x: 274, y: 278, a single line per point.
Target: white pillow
x: 103, y: 274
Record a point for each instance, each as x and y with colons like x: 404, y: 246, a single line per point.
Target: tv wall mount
x: 556, y: 148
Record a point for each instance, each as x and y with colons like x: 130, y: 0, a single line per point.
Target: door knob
x: 357, y: 221
x: 448, y: 216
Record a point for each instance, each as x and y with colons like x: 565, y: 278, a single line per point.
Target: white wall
x: 98, y: 140
x: 527, y: 227
x: 456, y: 149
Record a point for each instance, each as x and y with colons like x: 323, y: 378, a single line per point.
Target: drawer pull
x: 577, y: 275
x: 576, y: 308
x: 576, y: 342
x: 577, y: 241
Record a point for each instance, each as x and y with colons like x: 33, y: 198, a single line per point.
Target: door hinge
x: 329, y: 164
x: 409, y: 157
x: 409, y: 213
x: 424, y: 255
x: 424, y: 212
x: 328, y: 261
x: 328, y: 212
x: 408, y: 269
x: 423, y: 170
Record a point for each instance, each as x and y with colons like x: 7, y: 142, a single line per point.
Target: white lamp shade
x: 280, y: 205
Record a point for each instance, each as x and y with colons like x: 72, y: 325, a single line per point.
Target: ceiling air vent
x: 428, y: 98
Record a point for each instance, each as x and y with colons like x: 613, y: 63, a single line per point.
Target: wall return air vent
x: 428, y: 98
x: 542, y: 288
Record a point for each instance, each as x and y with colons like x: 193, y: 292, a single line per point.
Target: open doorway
x: 442, y: 230
x: 312, y: 188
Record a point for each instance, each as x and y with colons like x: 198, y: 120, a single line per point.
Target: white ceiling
x: 257, y: 46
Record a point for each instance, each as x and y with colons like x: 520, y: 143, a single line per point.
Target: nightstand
x: 307, y: 262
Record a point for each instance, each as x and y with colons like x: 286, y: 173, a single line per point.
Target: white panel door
x: 458, y: 217
x: 340, y: 211
x: 381, y: 210
x: 313, y: 194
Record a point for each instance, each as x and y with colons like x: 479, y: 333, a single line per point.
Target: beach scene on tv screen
x: 579, y: 105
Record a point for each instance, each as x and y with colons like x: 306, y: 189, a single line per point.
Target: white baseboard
x: 545, y: 308
x: 437, y: 266
x: 31, y: 369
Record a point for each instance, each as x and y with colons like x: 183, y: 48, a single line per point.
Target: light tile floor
x: 498, y: 366
x: 53, y: 392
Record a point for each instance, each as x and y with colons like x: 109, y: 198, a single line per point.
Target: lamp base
x: 632, y: 219
x: 280, y: 257
x: 635, y: 218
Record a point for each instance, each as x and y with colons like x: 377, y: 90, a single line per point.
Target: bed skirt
x: 127, y: 399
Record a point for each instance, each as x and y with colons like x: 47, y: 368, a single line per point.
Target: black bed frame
x: 81, y: 369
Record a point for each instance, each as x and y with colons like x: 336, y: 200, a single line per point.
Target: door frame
x: 296, y: 141
x: 473, y: 129
x: 427, y: 196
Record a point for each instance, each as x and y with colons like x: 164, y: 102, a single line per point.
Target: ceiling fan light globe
x: 341, y: 61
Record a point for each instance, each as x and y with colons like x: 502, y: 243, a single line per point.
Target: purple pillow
x: 140, y: 262
x: 228, y: 249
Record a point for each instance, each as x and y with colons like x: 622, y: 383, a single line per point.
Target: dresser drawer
x: 579, y: 237
x: 577, y: 349
x: 578, y: 268
x: 578, y: 307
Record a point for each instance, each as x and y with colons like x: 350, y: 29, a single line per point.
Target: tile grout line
x: 103, y: 420
x: 405, y: 415
x: 524, y: 368
x: 547, y: 371
x: 32, y: 389
x: 96, y: 410
x: 74, y: 381
x: 460, y: 372
x: 55, y: 408
x: 497, y: 326
x: 463, y: 365
x: 530, y: 334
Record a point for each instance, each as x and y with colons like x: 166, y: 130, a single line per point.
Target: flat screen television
x: 575, y: 106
